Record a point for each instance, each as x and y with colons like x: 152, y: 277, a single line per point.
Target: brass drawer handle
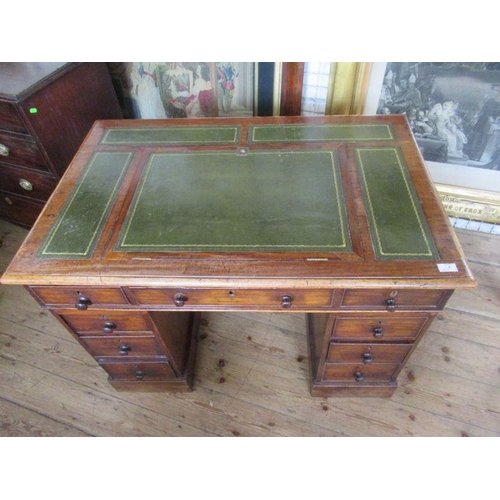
x: 125, y: 349
x: 286, y: 301
x: 83, y: 303
x: 26, y: 185
x: 108, y: 327
x: 4, y: 150
x: 391, y: 305
x: 367, y: 358
x: 359, y: 377
x: 180, y: 299
x: 377, y: 332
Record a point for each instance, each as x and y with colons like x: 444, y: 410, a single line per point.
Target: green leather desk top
x: 264, y: 201
x: 273, y: 200
x: 333, y: 196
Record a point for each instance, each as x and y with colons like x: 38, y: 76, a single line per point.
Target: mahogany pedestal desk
x: 156, y: 221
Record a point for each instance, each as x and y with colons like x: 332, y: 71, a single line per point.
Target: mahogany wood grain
x: 342, y: 291
x: 46, y: 110
x: 107, y: 322
x: 26, y: 182
x: 19, y: 209
x: 291, y: 88
x: 22, y: 152
x: 367, y: 353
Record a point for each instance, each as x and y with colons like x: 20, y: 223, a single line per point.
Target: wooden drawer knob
x: 180, y: 299
x: 286, y: 301
x: 125, y: 349
x: 139, y: 375
x: 83, y: 303
x: 391, y: 305
x: 108, y: 327
x: 367, y: 357
x: 378, y: 333
x: 359, y: 377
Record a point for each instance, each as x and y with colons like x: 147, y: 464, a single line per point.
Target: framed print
x: 454, y: 111
x: 159, y: 90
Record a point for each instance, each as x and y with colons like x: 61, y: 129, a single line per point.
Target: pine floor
x: 251, y: 377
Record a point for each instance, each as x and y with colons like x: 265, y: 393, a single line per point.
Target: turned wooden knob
x: 124, y: 349
x: 83, y: 303
x: 367, y: 357
x: 286, y: 301
x: 180, y: 299
x: 359, y: 377
x: 377, y: 332
x: 391, y: 305
x: 139, y: 375
x: 108, y: 327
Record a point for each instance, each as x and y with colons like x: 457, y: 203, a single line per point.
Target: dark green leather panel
x: 265, y: 201
x: 76, y: 229
x: 172, y: 135
x: 397, y: 224
x: 320, y: 133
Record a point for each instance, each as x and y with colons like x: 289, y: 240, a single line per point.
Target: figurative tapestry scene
x: 453, y: 109
x: 184, y: 89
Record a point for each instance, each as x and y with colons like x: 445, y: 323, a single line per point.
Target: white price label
x: 447, y: 268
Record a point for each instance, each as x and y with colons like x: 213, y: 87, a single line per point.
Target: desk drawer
x: 394, y: 299
x: 26, y: 183
x: 19, y: 209
x: 379, y: 328
x: 360, y: 372
x: 367, y: 353
x: 140, y: 371
x: 122, y: 346
x: 80, y: 297
x: 10, y: 118
x: 22, y: 152
x: 226, y: 299
x: 108, y: 323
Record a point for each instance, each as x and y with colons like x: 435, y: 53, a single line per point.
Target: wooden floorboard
x: 252, y: 371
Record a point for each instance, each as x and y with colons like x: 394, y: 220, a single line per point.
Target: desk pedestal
x: 357, y: 346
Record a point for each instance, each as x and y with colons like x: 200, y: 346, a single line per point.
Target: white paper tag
x: 447, y: 268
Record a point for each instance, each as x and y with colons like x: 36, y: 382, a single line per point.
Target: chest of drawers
x: 46, y: 110
x: 158, y: 221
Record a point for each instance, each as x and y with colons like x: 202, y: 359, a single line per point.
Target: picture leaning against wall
x: 156, y: 90
x: 453, y: 109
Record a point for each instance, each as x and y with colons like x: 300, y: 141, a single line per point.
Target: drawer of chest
x: 394, y: 299
x: 82, y: 298
x: 107, y: 323
x: 367, y: 353
x: 22, y: 152
x: 19, y: 209
x: 10, y: 118
x: 26, y: 182
x: 393, y: 328
x: 140, y: 371
x: 122, y: 346
x: 360, y: 372
x: 237, y: 298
